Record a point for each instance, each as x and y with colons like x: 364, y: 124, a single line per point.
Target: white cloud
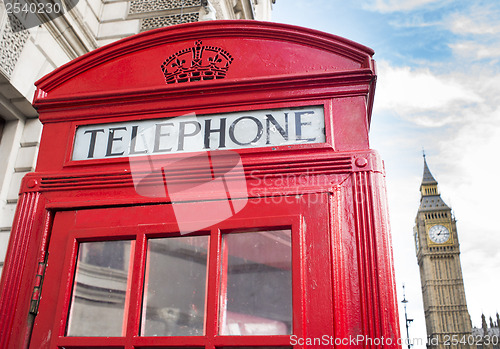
x: 413, y: 22
x: 387, y: 6
x: 471, y: 166
x: 475, y: 50
x: 464, y: 24
x: 478, y: 29
x: 429, y: 99
x: 477, y: 20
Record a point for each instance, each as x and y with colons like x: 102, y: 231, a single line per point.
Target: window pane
x: 100, y: 289
x: 175, y: 286
x: 256, y: 283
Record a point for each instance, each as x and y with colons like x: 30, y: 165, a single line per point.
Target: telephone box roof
x: 251, y: 52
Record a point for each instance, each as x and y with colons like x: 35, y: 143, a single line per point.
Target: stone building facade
x: 487, y: 336
x: 28, y: 54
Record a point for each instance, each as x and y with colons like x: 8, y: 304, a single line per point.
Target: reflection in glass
x: 100, y: 288
x: 256, y: 283
x: 175, y: 286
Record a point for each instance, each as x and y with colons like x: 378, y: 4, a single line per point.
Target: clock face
x: 439, y: 234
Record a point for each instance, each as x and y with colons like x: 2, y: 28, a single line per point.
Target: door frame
x: 72, y: 227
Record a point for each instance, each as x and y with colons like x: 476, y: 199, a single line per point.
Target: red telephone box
x: 208, y: 185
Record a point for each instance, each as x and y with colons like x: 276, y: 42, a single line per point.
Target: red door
x: 126, y: 278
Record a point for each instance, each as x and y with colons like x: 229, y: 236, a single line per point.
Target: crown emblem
x: 196, y: 63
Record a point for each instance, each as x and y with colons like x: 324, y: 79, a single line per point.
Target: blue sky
x: 438, y: 88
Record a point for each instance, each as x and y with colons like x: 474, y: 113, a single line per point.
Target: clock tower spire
x: 438, y: 255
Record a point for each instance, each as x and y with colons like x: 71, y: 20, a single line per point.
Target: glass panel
x: 175, y: 286
x: 100, y: 289
x: 256, y: 283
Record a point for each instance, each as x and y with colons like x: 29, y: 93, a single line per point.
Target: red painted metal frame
x: 350, y: 292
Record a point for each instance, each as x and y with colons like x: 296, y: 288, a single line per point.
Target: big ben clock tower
x: 438, y: 253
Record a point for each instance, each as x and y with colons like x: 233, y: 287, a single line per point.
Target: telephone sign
x: 190, y: 133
